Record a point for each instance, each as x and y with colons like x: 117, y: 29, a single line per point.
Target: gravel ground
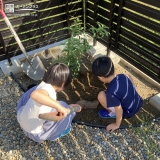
x: 82, y: 143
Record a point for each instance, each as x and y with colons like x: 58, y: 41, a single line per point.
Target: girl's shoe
x: 103, y: 113
x: 64, y: 133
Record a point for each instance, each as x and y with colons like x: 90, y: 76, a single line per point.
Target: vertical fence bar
x: 111, y: 18
x: 118, y: 22
x: 96, y: 3
x: 67, y: 15
x: 38, y: 23
x: 84, y: 14
x: 5, y: 49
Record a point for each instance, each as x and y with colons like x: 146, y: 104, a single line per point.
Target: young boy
x: 121, y: 99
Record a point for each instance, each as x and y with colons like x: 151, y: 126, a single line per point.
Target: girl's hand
x: 112, y: 127
x: 64, y: 111
x: 74, y: 105
x: 60, y: 116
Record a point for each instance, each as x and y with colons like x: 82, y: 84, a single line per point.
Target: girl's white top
x: 28, y: 115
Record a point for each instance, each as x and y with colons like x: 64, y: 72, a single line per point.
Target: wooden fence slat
x: 142, y: 21
x: 147, y: 11
x: 141, y: 32
x: 140, y: 41
x: 139, y: 60
x: 155, y: 3
x: 141, y: 51
x: 136, y: 64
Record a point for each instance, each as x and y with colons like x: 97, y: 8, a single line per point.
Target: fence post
x: 5, y: 49
x: 118, y: 22
x: 111, y: 18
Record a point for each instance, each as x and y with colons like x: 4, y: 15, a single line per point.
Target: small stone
x: 92, y: 150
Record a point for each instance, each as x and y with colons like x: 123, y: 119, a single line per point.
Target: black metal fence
x: 133, y: 26
x: 38, y: 28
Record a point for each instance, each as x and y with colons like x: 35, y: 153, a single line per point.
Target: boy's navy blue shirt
x: 121, y: 91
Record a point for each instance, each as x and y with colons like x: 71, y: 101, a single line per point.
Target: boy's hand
x: 112, y: 127
x: 74, y: 105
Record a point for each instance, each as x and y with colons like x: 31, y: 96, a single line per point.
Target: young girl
x: 41, y: 100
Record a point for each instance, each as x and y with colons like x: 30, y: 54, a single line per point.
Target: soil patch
x: 87, y: 86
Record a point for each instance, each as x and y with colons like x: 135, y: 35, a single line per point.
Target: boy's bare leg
x: 103, y: 100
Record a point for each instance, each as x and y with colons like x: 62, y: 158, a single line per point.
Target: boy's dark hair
x: 58, y: 74
x: 103, y: 67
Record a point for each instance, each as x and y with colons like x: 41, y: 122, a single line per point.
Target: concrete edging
x: 155, y: 101
x: 16, y: 61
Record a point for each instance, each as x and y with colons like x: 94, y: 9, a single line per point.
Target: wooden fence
x: 38, y: 28
x: 133, y: 27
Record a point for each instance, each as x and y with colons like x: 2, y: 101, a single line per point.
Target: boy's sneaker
x: 103, y: 113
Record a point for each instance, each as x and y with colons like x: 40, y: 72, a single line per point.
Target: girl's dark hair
x: 58, y: 74
x: 103, y: 67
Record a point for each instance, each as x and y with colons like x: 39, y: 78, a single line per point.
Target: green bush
x: 77, y: 45
x: 99, y: 31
